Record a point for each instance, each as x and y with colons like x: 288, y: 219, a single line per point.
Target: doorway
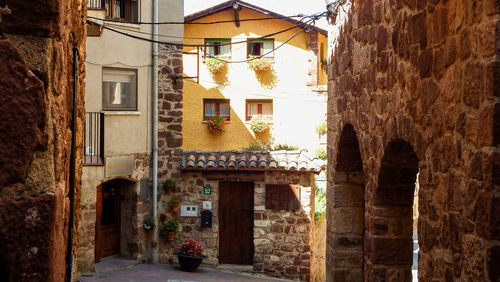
x: 108, y: 224
x: 236, y: 222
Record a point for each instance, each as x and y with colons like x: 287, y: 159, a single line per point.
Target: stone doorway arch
x: 388, y: 236
x: 345, y: 212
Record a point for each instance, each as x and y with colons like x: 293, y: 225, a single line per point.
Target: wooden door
x: 236, y: 222
x: 107, y: 240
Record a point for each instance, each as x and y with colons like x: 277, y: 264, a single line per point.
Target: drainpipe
x: 70, y: 259
x: 155, y: 131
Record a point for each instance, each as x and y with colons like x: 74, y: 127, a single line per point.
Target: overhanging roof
x: 229, y: 5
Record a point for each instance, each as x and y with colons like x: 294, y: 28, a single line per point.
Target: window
x: 260, y: 47
x: 222, y: 48
x: 123, y: 10
x: 119, y: 90
x: 213, y: 107
x: 259, y: 109
x: 282, y: 197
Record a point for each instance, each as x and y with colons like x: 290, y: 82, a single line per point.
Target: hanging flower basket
x: 215, y: 64
x: 216, y: 125
x: 260, y: 64
x: 259, y: 125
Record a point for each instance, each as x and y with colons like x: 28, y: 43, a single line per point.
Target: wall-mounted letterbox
x: 206, y: 219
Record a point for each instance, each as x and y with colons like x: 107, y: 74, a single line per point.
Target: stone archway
x: 346, y: 212
x: 388, y: 237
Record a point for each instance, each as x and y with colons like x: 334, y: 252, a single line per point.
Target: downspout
x: 70, y: 259
x: 155, y: 131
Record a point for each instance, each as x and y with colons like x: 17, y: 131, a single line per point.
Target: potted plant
x: 260, y: 64
x: 169, y: 185
x: 215, y: 64
x: 259, y: 125
x: 324, y: 65
x: 190, y: 255
x: 148, y: 223
x: 216, y: 125
x: 174, y: 204
x: 169, y: 228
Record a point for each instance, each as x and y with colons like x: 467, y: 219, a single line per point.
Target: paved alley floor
x: 169, y: 273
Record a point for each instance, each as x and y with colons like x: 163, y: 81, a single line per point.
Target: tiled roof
x: 252, y: 160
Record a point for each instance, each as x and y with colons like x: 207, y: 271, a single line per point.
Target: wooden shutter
x: 282, y: 197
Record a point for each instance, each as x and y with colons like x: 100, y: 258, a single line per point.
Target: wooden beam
x: 235, y: 175
x: 236, y: 9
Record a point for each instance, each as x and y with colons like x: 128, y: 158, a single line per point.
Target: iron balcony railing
x: 93, y: 139
x: 95, y: 4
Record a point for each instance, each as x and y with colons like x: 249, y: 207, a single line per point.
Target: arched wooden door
x: 107, y: 241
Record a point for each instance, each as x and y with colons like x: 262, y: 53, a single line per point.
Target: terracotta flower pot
x: 171, y: 235
x: 175, y: 208
x: 188, y: 263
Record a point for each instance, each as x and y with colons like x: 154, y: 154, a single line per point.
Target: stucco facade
x: 298, y: 99
x: 127, y: 133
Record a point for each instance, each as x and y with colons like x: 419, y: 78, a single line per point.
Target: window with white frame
x: 216, y: 107
x: 218, y: 48
x: 121, y: 10
x: 259, y: 109
x: 119, y: 89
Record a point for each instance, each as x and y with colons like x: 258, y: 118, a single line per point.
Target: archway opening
x: 346, y: 212
x: 389, y: 238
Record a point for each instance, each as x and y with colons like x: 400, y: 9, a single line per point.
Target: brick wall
x: 36, y: 82
x: 417, y: 82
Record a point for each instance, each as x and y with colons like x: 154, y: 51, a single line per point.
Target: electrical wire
x: 199, y: 23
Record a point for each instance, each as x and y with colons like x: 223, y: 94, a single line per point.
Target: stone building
x: 41, y: 116
x: 413, y: 92
x: 117, y: 171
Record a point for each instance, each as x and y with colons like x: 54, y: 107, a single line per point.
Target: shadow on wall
x: 195, y: 132
x: 267, y: 79
x: 221, y: 78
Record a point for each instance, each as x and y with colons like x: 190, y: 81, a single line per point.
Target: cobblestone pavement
x: 169, y: 273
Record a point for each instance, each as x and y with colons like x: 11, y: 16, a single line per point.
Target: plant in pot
x: 216, y: 125
x: 190, y: 255
x: 169, y: 229
x: 169, y: 185
x: 215, y: 64
x: 149, y: 223
x: 174, y: 204
x: 259, y: 125
x: 260, y: 64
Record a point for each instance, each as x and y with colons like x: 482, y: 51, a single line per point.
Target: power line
x: 198, y: 23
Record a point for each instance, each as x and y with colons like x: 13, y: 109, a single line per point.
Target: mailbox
x: 206, y: 219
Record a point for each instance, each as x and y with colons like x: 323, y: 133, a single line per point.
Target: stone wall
x: 169, y: 132
x: 414, y: 86
x: 134, y: 211
x: 36, y: 82
x: 282, y: 239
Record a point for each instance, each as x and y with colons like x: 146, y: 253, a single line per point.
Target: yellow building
x: 289, y: 97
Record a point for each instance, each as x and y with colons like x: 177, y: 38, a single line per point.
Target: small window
x: 119, y: 90
x: 282, y: 197
x: 122, y: 10
x: 260, y: 47
x: 259, y: 109
x: 212, y: 107
x: 222, y: 48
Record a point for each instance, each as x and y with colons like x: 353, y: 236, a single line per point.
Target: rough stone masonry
x: 36, y: 86
x: 414, y: 88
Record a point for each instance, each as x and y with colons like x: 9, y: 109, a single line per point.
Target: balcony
x: 93, y: 131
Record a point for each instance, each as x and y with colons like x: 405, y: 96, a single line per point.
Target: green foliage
x: 169, y: 184
x: 149, y: 223
x: 319, y: 204
x: 214, y: 64
x: 285, y: 147
x: 174, y: 202
x: 170, y: 226
x: 260, y: 64
x: 269, y: 146
x: 259, y: 125
x: 324, y: 65
x: 322, y: 129
x: 321, y: 154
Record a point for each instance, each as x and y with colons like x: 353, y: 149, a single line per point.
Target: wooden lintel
x: 236, y: 175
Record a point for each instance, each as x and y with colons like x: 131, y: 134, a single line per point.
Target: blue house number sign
x: 207, y: 190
